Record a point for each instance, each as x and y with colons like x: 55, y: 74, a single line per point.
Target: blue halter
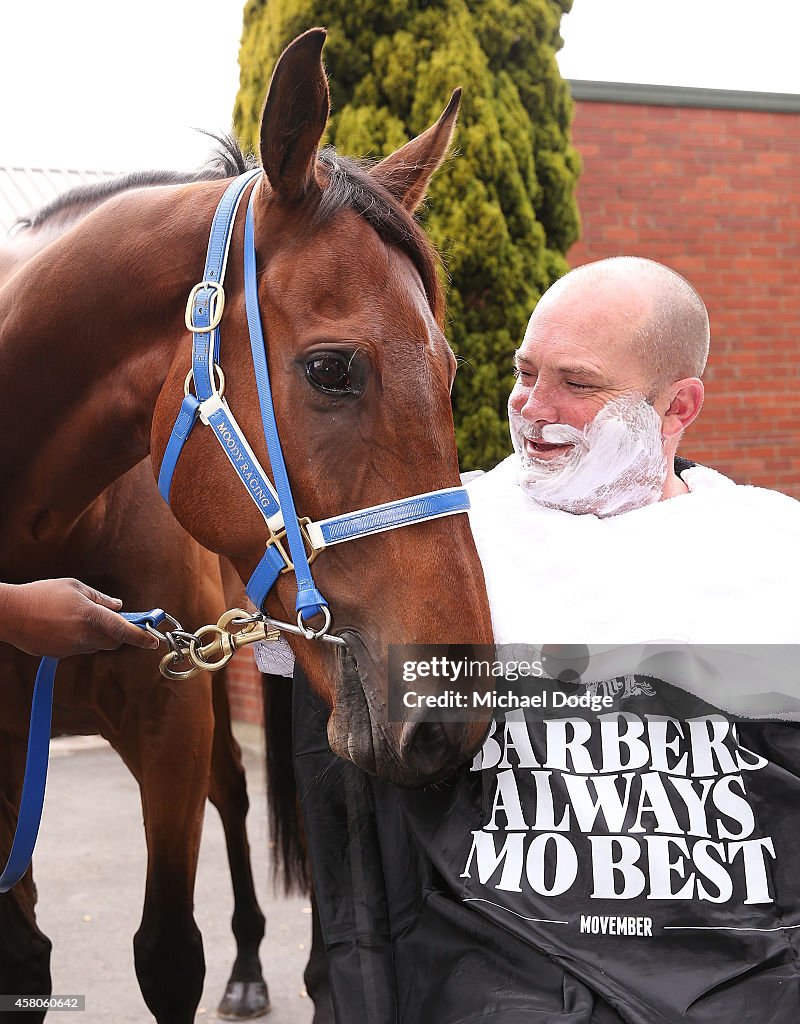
x: 276, y: 504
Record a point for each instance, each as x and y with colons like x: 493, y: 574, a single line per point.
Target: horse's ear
x: 295, y: 115
x: 408, y: 171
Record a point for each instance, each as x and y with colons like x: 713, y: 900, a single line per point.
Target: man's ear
x: 685, y: 400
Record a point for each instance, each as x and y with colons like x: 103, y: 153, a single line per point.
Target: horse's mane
x: 227, y: 160
x: 348, y: 185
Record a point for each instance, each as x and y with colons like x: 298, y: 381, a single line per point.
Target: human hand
x: 56, y: 618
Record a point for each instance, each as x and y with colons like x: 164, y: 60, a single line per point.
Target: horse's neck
x: 88, y: 331
x: 15, y: 253
x: 30, y: 241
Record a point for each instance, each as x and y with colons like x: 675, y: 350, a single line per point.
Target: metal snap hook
x: 220, y: 648
x: 161, y: 637
x: 172, y: 658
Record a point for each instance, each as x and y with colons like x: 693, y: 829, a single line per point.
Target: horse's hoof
x: 244, y: 1000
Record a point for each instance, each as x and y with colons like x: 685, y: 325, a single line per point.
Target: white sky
x: 717, y: 44
x: 104, y: 85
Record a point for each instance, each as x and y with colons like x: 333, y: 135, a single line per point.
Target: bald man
x: 635, y: 866
x: 608, y: 380
x: 623, y: 332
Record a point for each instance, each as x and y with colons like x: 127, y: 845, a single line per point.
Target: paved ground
x: 90, y: 867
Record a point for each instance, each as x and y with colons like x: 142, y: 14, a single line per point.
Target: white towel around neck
x: 713, y: 569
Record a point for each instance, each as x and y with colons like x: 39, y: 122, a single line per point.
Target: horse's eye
x: 329, y: 373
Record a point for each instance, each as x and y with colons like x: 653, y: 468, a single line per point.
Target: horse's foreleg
x: 246, y: 994
x: 24, y: 949
x: 174, y: 760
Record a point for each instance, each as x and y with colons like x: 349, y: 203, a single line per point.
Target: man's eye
x: 329, y: 373
x: 579, y: 385
x: 523, y: 375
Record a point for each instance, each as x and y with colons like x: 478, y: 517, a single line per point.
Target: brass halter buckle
x: 277, y: 537
x: 216, y: 305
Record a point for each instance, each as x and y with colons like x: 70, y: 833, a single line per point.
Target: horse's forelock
x: 348, y: 185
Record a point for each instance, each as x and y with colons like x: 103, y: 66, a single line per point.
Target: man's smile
x: 541, y: 449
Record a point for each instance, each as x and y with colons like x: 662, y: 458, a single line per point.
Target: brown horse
x: 128, y: 540
x: 94, y: 357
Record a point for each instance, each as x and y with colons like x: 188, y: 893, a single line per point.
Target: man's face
x: 577, y: 359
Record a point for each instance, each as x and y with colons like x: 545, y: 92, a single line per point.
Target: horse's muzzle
x: 411, y: 753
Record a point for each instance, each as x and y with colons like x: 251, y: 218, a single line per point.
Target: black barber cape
x: 646, y: 872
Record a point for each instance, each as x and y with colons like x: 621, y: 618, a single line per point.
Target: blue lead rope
x: 35, y: 781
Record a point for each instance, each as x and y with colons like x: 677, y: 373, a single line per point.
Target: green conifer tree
x: 502, y: 212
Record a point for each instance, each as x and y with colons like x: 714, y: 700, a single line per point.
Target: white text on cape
x: 657, y: 809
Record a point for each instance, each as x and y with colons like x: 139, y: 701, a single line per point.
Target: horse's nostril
x: 424, y: 739
x: 407, y: 731
x: 349, y: 665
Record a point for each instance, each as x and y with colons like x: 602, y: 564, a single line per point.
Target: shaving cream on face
x: 616, y: 463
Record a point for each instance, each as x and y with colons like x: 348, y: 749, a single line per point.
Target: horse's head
x: 361, y: 373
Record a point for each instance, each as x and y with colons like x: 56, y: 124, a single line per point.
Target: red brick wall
x: 244, y: 689
x: 715, y: 194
